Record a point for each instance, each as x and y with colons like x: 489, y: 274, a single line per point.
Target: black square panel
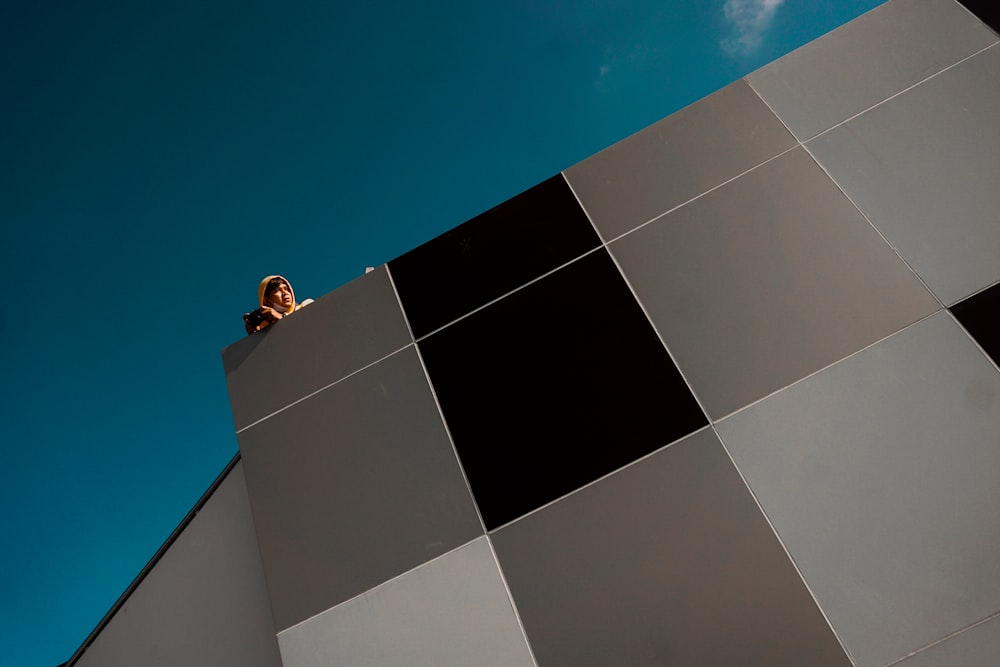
x: 988, y: 11
x: 980, y: 315
x: 554, y: 386
x: 667, y: 562
x: 492, y: 254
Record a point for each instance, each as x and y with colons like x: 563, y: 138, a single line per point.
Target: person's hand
x: 261, y: 318
x: 270, y: 314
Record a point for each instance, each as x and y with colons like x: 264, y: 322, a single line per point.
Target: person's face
x: 281, y: 295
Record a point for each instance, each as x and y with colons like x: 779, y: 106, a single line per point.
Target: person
x: 277, y: 299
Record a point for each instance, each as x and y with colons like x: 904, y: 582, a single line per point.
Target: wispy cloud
x: 750, y: 20
x: 636, y: 57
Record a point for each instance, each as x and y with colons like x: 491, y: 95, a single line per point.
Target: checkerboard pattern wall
x: 725, y: 393
x: 720, y: 394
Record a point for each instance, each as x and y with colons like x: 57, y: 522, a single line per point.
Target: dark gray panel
x: 976, y: 647
x: 880, y: 476
x: 353, y: 486
x: 204, y: 603
x: 554, y: 386
x: 767, y: 279
x: 676, y: 159
x: 924, y: 167
x: 866, y: 61
x: 341, y: 332
x: 986, y: 10
x: 666, y: 562
x: 980, y: 316
x: 451, y: 612
x: 494, y: 253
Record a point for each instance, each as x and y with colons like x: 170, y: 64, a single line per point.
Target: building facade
x: 725, y: 393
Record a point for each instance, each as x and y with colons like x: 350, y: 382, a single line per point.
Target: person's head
x: 276, y: 292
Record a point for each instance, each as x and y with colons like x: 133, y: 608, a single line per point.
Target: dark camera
x: 254, y: 319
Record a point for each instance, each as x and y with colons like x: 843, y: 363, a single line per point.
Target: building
x: 725, y: 393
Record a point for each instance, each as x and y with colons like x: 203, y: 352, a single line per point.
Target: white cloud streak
x: 750, y: 20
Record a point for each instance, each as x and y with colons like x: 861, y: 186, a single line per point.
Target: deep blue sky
x: 157, y: 159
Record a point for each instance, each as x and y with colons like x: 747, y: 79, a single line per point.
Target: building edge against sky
x: 721, y: 392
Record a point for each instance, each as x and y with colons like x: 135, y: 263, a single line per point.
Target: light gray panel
x: 925, y: 167
x: 451, y: 612
x: 354, y: 486
x: 340, y: 332
x: 676, y: 159
x: 880, y: 476
x: 666, y: 562
x: 767, y: 279
x: 204, y: 603
x: 976, y: 647
x: 866, y: 61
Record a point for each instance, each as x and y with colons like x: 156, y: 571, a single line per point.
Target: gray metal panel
x: 666, y: 562
x: 880, y: 476
x: 978, y: 646
x: 676, y: 159
x: 866, y: 61
x: 204, y: 603
x: 341, y: 332
x: 451, y: 612
x: 925, y: 167
x: 767, y: 279
x: 353, y: 486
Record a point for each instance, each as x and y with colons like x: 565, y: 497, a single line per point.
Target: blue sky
x: 156, y: 160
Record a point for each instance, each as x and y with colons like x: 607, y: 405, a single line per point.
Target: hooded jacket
x: 278, y: 307
x: 295, y: 304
